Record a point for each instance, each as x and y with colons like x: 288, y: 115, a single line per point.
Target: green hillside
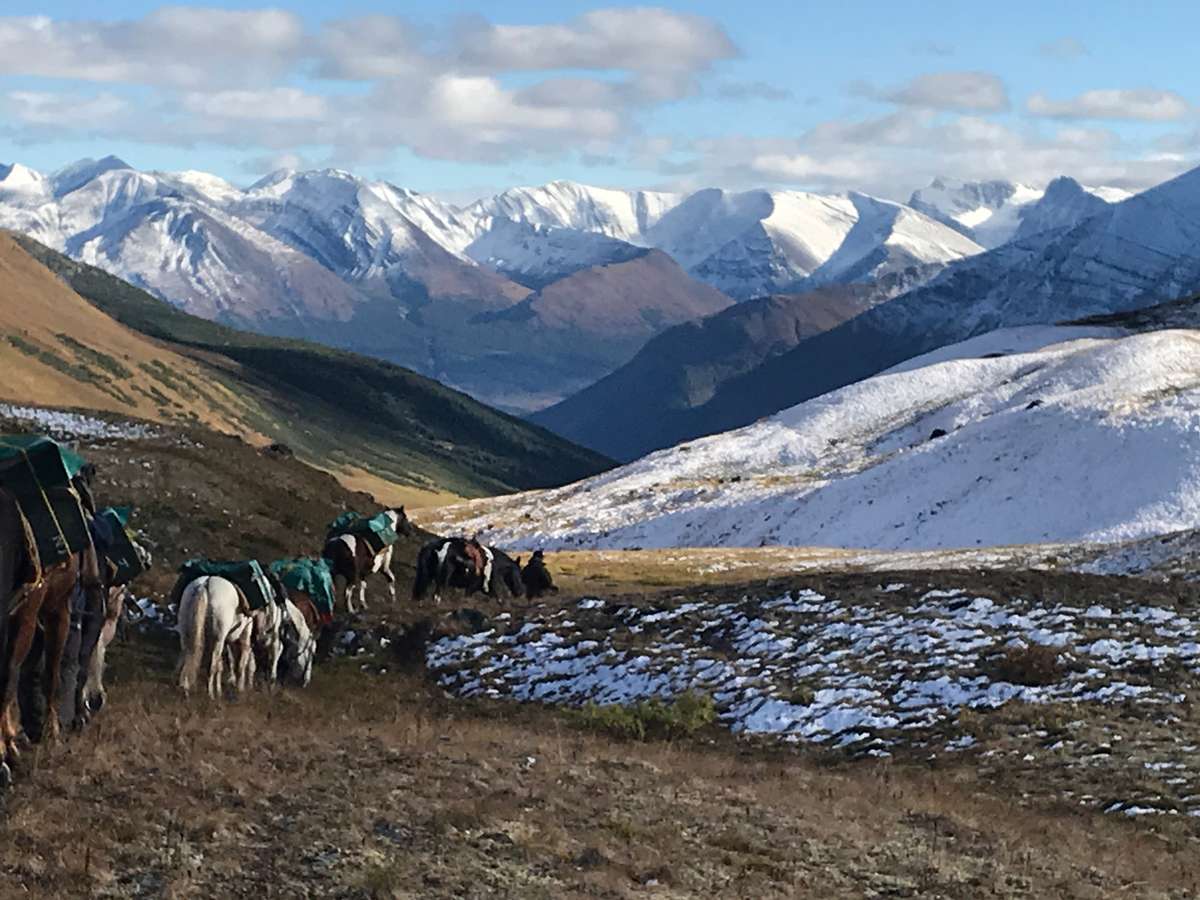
x: 343, y: 411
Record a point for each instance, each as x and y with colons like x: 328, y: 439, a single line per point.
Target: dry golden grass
x: 389, y: 493
x: 377, y: 786
x: 595, y: 570
x: 129, y: 373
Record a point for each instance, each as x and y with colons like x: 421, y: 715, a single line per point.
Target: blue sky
x: 461, y: 98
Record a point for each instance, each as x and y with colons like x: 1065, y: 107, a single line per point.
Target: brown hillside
x: 56, y: 349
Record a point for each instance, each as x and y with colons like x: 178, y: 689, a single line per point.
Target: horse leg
x: 391, y: 582
x: 276, y: 650
x: 362, y: 593
x: 342, y: 587
x: 57, y: 623
x: 21, y: 627
x: 247, y: 667
x: 216, y: 659
x: 96, y: 695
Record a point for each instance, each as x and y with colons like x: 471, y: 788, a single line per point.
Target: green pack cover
x: 119, y: 547
x: 38, y: 472
x: 311, y: 575
x: 377, y: 530
x: 247, y: 574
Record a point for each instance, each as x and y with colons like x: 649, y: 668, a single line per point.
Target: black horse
x: 536, y: 577
x: 467, y: 565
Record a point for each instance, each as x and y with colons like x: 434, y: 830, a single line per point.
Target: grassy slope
x: 378, y: 786
x: 346, y: 411
x: 54, y: 345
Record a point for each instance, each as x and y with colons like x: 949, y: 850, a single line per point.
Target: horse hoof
x: 96, y: 702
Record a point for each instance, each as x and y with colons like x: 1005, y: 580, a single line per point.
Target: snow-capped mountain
x: 536, y: 255
x: 996, y: 440
x: 624, y: 215
x: 746, y: 243
x: 389, y: 240
x: 381, y: 269
x: 1133, y: 254
x: 994, y: 212
x: 163, y: 233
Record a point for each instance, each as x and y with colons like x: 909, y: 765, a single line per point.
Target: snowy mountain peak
x: 995, y: 212
x: 271, y: 179
x: 22, y: 181
x: 209, y: 186
x: 76, y: 175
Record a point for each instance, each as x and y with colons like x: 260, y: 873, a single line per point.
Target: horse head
x: 400, y: 523
x: 509, y: 572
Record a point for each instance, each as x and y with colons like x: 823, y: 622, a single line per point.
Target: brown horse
x: 47, y: 605
x: 19, y: 572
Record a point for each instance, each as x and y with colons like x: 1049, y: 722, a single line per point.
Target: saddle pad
x: 310, y: 575
x: 377, y: 530
x: 37, y: 471
x: 246, y: 574
x: 114, y: 542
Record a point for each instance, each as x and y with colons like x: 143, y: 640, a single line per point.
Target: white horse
x: 299, y: 645
x: 95, y: 694
x: 213, y: 616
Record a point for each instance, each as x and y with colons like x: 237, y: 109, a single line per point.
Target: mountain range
x: 1126, y: 255
x: 521, y: 299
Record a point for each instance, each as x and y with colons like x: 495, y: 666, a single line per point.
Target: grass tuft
x: 649, y: 719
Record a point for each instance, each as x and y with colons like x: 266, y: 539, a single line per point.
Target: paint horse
x: 467, y: 565
x: 351, y: 559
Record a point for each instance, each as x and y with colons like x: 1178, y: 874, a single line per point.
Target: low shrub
x: 649, y: 719
x: 1033, y: 665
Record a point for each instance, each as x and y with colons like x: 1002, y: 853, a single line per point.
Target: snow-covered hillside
x: 1024, y: 435
x: 994, y: 212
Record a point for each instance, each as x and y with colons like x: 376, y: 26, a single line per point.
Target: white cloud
x: 894, y: 154
x: 801, y: 167
x: 174, y: 45
x: 372, y: 47
x: 959, y: 91
x: 47, y: 109
x: 473, y: 91
x: 270, y: 105
x: 1144, y: 105
x: 640, y: 39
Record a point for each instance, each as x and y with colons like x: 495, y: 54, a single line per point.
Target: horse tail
x: 193, y: 632
x: 426, y: 574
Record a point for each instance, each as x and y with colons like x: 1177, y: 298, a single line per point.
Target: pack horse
x: 357, y: 547
x: 468, y: 565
